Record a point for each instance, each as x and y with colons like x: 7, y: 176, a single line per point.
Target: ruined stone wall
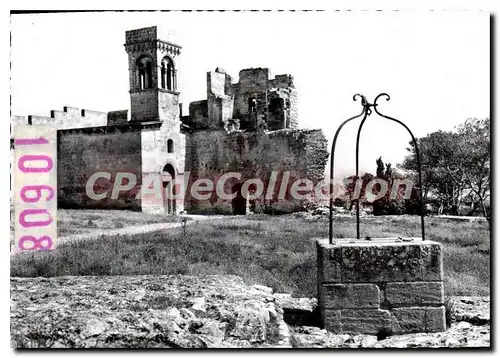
x: 83, y: 152
x: 213, y: 113
x: 316, y: 153
x: 219, y: 83
x: 198, y: 115
x: 283, y: 87
x: 256, y: 102
x: 276, y: 100
x: 217, y: 110
x: 220, y: 98
x: 220, y: 110
x: 210, y: 154
x: 252, y: 85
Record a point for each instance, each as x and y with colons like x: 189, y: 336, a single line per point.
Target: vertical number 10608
x: 35, y: 193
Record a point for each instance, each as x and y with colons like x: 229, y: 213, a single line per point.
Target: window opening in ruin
x: 170, y: 146
x: 276, y: 104
x: 252, y: 104
x: 278, y: 113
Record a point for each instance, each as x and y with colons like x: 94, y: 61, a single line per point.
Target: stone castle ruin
x: 249, y: 127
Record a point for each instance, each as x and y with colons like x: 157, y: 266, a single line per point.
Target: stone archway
x: 168, y: 176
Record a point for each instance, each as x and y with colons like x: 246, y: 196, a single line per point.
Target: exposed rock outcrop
x: 195, y: 312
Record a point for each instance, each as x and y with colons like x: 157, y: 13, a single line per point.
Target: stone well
x: 383, y: 286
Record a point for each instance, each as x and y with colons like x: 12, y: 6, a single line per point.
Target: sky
x: 435, y: 65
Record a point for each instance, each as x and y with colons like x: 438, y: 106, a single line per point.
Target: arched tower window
x: 163, y: 74
x: 170, y: 146
x: 168, y: 74
x: 144, y: 72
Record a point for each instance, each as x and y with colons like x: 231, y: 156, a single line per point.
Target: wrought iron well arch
x: 365, y: 113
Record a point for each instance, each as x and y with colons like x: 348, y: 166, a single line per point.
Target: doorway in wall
x: 239, y: 202
x: 168, y: 176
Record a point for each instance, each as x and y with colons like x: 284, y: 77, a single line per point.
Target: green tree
x: 474, y: 152
x: 386, y: 205
x: 350, y: 187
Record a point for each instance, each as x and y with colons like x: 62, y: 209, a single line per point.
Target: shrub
x: 341, y: 203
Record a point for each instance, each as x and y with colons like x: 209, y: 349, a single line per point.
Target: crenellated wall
x: 69, y: 117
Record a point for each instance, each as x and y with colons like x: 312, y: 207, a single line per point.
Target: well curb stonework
x: 382, y: 286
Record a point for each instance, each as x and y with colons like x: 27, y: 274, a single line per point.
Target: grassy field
x: 275, y: 251
x: 89, y: 221
x: 81, y: 221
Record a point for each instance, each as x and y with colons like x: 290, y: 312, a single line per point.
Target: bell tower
x: 154, y: 95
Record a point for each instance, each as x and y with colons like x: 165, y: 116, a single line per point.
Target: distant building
x: 249, y: 127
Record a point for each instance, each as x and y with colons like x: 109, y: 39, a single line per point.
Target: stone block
x: 329, y: 262
x: 431, y: 257
x: 411, y: 319
x: 381, y: 260
x: 420, y: 319
x: 368, y: 321
x: 338, y: 296
x: 435, y: 319
x: 386, y: 263
x: 414, y: 293
x: 331, y: 320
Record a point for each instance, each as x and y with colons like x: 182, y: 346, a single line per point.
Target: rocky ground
x: 197, y: 312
